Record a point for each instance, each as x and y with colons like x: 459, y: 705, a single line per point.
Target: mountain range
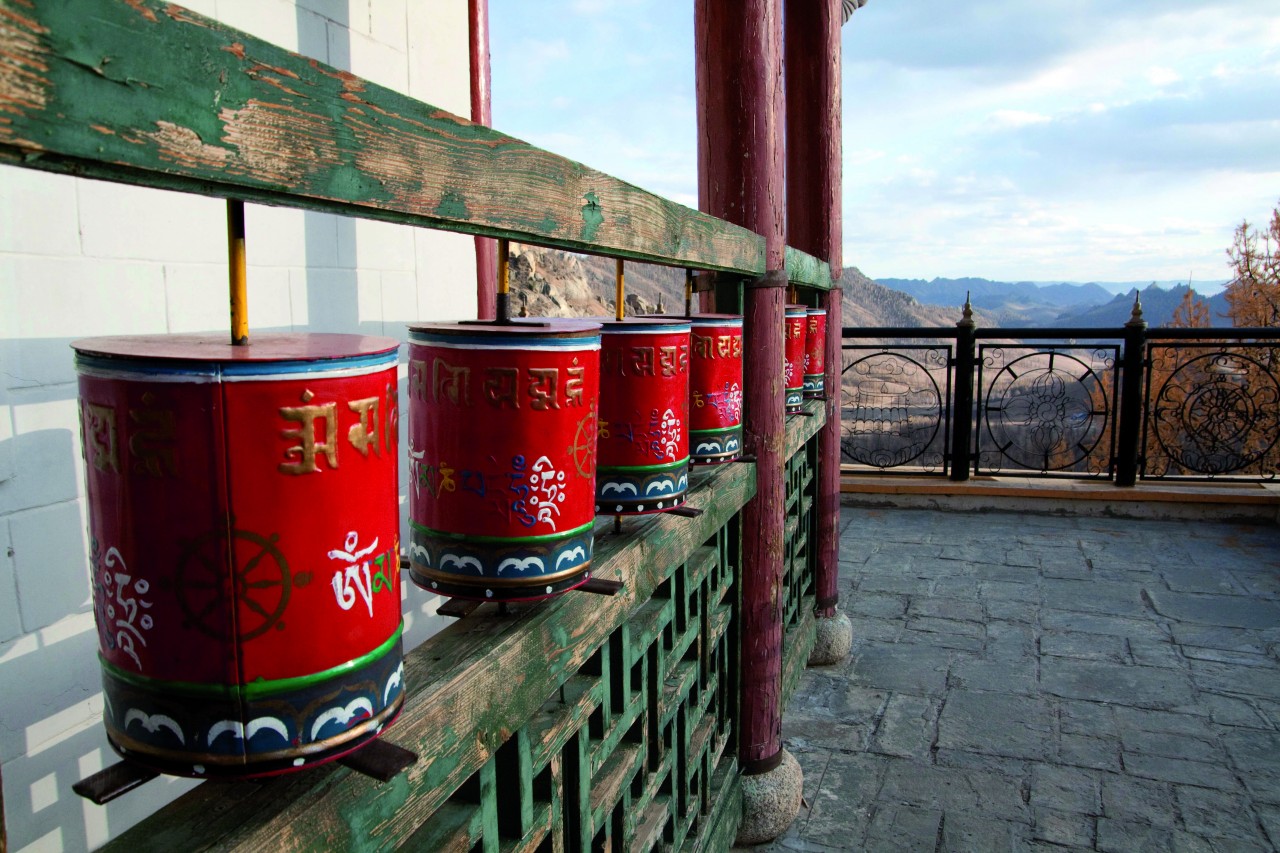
x: 550, y: 282
x: 1059, y: 303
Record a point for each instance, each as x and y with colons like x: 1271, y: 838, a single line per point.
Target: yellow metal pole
x: 504, y: 282
x: 236, y: 271
x: 619, y: 307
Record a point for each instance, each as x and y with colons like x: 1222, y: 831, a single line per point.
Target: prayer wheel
x: 502, y: 455
x: 715, y: 388
x: 815, y: 353
x: 244, y: 547
x: 644, y: 416
x: 796, y: 319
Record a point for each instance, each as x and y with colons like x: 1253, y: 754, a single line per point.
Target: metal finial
x: 966, y: 318
x: 1135, y: 318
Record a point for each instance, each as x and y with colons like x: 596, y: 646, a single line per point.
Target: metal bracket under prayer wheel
x: 379, y: 759
x: 110, y: 782
x: 458, y: 608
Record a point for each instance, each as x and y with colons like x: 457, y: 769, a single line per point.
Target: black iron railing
x: 1122, y: 403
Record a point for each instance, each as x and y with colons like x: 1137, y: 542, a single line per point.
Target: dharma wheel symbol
x: 251, y: 585
x: 583, y: 448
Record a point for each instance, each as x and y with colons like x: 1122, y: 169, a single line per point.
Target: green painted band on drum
x: 467, y: 537
x: 674, y: 466
x: 257, y: 688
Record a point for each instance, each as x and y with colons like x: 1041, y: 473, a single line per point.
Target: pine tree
x: 1191, y: 313
x: 1254, y: 292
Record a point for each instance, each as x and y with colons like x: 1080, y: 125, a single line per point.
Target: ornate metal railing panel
x: 1212, y: 410
x: 896, y: 409
x: 1046, y: 408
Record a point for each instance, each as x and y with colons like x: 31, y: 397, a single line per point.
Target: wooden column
x: 482, y: 113
x: 740, y: 102
x: 814, y: 226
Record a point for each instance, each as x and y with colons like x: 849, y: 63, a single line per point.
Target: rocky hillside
x: 554, y: 283
x: 867, y: 303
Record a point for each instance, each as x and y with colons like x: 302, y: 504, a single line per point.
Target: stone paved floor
x: 1022, y: 682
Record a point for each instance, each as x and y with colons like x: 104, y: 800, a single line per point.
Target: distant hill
x: 1038, y: 303
x: 1007, y: 303
x: 1158, y: 305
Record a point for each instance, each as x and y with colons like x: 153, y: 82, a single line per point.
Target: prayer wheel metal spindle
x: 644, y: 416
x: 244, y: 547
x: 815, y: 348
x: 793, y: 354
x: 502, y: 455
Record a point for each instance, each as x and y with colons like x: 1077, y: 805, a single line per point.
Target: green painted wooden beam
x: 808, y: 271
x: 151, y: 94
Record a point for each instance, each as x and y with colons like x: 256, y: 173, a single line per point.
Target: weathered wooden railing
x: 570, y: 723
x: 578, y: 723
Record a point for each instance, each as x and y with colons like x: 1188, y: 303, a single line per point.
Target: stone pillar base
x: 835, y: 639
x: 770, y: 801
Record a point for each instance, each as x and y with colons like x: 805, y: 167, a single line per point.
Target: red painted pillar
x: 740, y: 101
x: 814, y: 226
x: 482, y: 113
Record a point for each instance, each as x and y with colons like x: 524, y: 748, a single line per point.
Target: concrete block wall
x: 80, y: 258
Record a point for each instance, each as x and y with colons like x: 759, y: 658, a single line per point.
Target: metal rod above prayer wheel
x: 237, y: 273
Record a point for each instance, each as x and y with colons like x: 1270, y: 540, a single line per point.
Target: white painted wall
x: 81, y: 258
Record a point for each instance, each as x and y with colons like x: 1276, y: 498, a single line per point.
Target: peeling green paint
x: 452, y: 206
x: 366, y: 816
x: 592, y: 217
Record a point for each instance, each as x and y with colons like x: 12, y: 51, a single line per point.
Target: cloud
x: 1017, y: 118
x: 1161, y: 76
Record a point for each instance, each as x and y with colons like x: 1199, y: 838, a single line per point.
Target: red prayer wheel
x: 715, y: 388
x: 815, y: 353
x: 644, y: 416
x: 502, y: 455
x: 244, y: 546
x: 793, y: 354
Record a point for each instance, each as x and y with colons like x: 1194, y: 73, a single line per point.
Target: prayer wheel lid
x: 696, y: 318
x: 650, y: 323
x: 797, y: 309
x: 531, y: 326
x: 817, y: 310
x: 211, y: 347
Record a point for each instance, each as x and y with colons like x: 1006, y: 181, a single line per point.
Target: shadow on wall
x: 51, y: 736
x: 43, y: 566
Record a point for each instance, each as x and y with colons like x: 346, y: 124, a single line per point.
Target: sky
x: 1042, y: 140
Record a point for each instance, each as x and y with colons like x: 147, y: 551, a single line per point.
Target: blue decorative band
x: 491, y: 571
x: 715, y: 445
x: 620, y: 491
x: 234, y: 735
